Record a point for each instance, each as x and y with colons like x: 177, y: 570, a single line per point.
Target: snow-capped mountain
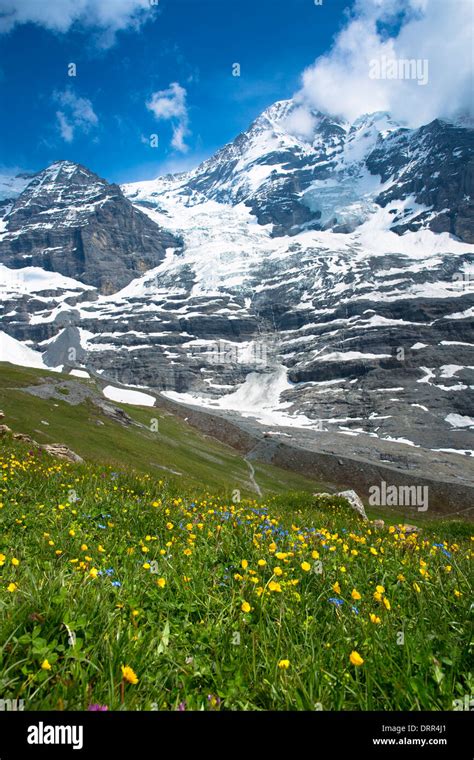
x: 68, y: 220
x: 335, y: 175
x: 320, y: 279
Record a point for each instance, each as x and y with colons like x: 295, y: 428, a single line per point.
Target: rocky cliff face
x: 68, y: 220
x: 433, y: 166
x: 323, y: 281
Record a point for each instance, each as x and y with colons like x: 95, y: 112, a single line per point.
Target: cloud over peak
x: 75, y: 115
x: 409, y: 57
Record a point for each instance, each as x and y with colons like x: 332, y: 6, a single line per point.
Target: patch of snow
x: 460, y: 421
x: 125, y: 396
x: 15, y: 352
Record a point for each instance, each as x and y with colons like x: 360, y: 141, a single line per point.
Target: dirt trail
x: 252, y: 477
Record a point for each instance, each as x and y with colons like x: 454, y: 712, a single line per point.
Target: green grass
x: 175, y: 447
x: 188, y: 638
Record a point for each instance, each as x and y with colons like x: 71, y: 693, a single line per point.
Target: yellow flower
x: 187, y: 552
x: 380, y: 589
x: 377, y: 596
x: 2, y: 559
x: 129, y: 675
x: 343, y: 569
x: 161, y: 582
x: 274, y: 586
x: 448, y: 569
x: 245, y: 607
x: 355, y: 658
x: 373, y: 551
x: 146, y: 566
x: 336, y: 588
x: 84, y: 548
x: 262, y: 562
x: 46, y: 665
x: 12, y: 587
x: 244, y: 564
x: 15, y: 561
x: 457, y: 593
x: 400, y: 578
x: 284, y: 664
x: 169, y: 525
x: 355, y: 594
x: 315, y: 555
x: 374, y: 618
x: 93, y: 572
x: 387, y: 603
x: 417, y: 588
x: 277, y: 571
x: 305, y: 566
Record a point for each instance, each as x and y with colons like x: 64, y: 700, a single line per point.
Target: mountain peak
x: 277, y: 112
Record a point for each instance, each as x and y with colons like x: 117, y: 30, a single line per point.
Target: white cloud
x: 432, y: 32
x: 76, y: 114
x: 59, y: 15
x: 170, y: 105
x: 300, y: 123
x: 66, y: 129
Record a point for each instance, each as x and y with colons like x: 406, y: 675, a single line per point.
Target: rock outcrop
x: 352, y: 499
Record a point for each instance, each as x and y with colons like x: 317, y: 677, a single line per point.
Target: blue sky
x: 100, y: 117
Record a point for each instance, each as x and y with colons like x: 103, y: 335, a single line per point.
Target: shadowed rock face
x: 70, y: 221
x: 435, y: 166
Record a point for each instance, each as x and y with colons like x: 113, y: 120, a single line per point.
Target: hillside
x: 74, y: 412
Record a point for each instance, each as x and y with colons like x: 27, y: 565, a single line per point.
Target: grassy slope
x: 193, y: 619
x: 203, y: 462
x: 200, y: 460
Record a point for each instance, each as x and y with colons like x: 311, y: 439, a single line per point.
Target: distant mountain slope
x: 68, y: 220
